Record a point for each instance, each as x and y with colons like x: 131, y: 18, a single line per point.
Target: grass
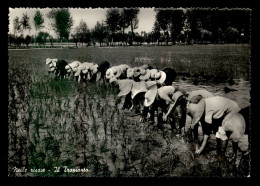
x: 57, y: 123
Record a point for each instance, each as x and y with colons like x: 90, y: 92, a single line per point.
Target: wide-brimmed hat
x: 125, y: 86
x: 113, y: 79
x: 165, y: 91
x: 85, y: 70
x: 93, y: 67
x: 138, y: 87
x: 72, y: 66
x: 145, y: 74
x: 48, y: 60
x: 82, y: 68
x: 53, y: 61
x: 123, y: 67
x: 117, y: 71
x: 52, y: 69
x: 144, y: 66
x: 137, y: 71
x: 160, y: 77
x: 153, y: 72
x: 68, y: 68
x: 130, y: 72
x: 195, y: 111
x: 75, y: 64
x: 52, y: 65
x: 201, y: 92
x: 109, y: 73
x: 150, y: 95
x: 75, y: 69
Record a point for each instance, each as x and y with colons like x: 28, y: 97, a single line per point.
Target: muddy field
x: 55, y: 124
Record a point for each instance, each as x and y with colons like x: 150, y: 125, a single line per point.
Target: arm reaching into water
x: 205, y: 140
x: 169, y: 111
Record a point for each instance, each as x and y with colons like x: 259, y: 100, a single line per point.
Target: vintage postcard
x: 129, y: 92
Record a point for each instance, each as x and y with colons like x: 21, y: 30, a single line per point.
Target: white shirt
x: 217, y: 107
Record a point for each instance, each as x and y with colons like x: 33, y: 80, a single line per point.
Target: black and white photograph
x: 129, y: 92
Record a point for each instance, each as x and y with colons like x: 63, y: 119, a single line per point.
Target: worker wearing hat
x: 221, y: 115
x: 171, y: 98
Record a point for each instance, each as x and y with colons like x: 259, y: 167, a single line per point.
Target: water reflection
x: 241, y: 94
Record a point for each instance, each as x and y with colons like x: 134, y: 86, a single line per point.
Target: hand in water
x: 233, y: 157
x: 165, y: 117
x: 197, y: 152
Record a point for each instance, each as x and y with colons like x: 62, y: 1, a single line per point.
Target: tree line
x: 171, y: 26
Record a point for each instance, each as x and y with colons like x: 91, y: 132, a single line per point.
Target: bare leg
x: 144, y: 114
x: 196, y: 136
x: 218, y: 146
x: 117, y: 101
x: 195, y: 132
x: 127, y: 103
x: 226, y: 144
x: 235, y: 147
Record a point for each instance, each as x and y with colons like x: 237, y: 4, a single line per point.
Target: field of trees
x: 171, y: 26
x: 57, y: 123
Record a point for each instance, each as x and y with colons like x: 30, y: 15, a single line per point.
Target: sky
x: 90, y: 16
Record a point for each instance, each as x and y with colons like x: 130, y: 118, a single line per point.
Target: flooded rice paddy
x: 64, y: 123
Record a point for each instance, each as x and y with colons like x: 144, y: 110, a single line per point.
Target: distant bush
x: 41, y: 39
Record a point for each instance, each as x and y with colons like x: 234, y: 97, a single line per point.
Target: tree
x: 177, y: 23
x: 156, y: 32
x: 195, y: 20
x: 11, y: 39
x: 123, y: 23
x: 149, y: 38
x: 75, y: 39
x: 42, y: 38
x: 112, y: 21
x: 163, y: 18
x: 205, y: 35
x: 186, y: 30
x: 138, y: 38
x: 27, y: 40
x: 82, y: 32
x: 16, y: 25
x: 38, y: 20
x: 61, y: 22
x: 100, y: 32
x: 19, y: 40
x: 231, y: 34
x: 132, y: 19
x: 51, y: 40
x: 25, y: 22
